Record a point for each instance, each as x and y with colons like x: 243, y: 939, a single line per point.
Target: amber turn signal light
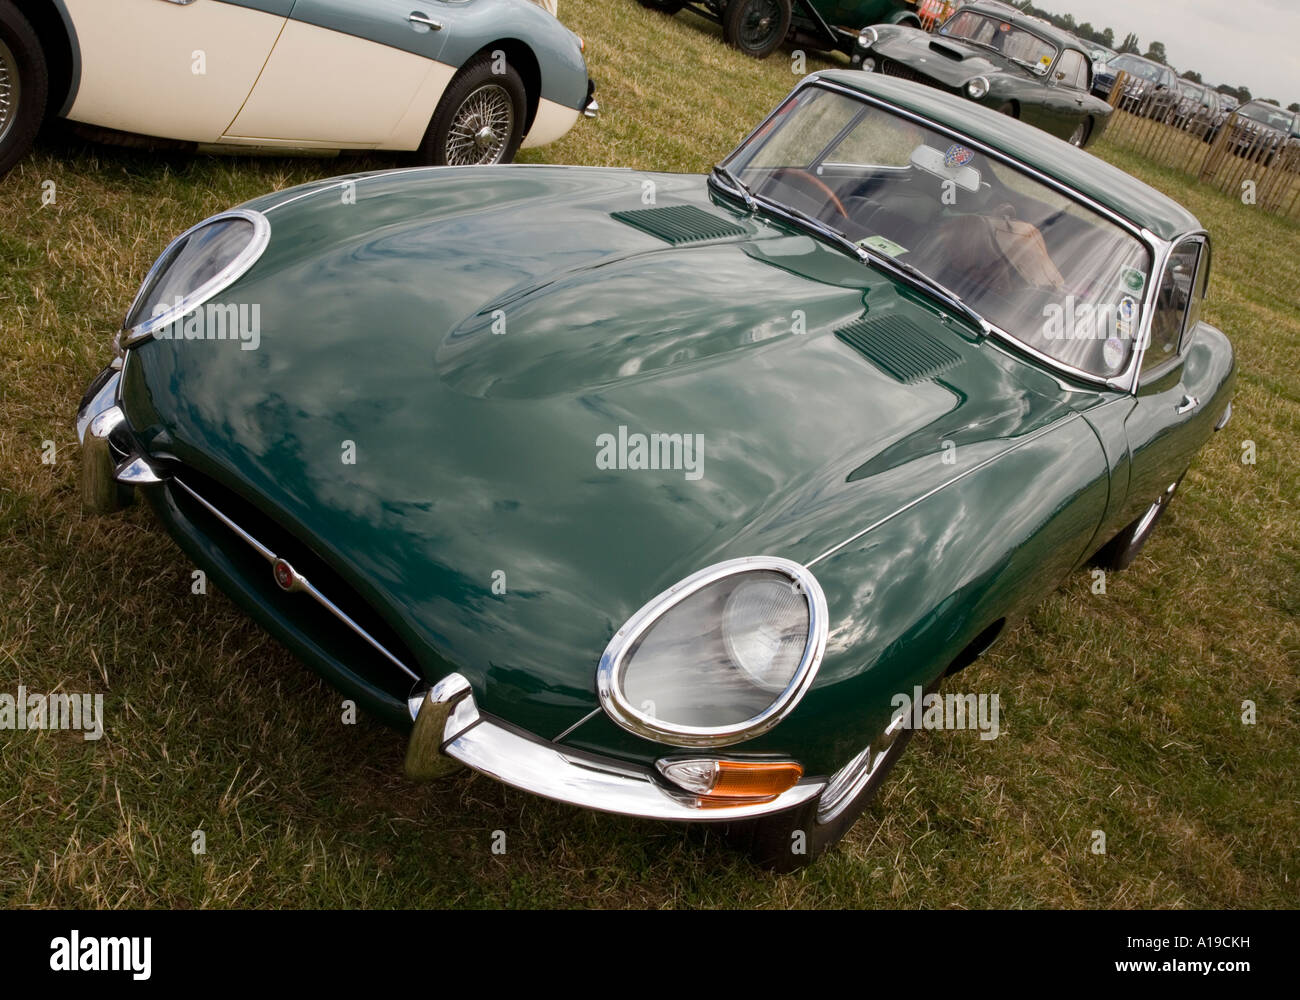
x: 729, y: 782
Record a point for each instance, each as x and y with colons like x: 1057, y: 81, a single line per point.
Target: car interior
x: 1011, y: 247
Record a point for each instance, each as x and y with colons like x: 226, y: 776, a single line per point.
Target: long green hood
x: 449, y: 362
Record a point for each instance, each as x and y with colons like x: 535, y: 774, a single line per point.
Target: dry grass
x: 1122, y: 712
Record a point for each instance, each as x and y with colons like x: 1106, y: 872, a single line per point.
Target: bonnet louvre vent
x: 678, y: 224
x: 899, y: 347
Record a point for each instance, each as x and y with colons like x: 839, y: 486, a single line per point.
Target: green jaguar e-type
x: 652, y: 493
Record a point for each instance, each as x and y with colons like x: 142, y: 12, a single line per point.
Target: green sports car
x: 655, y: 493
x: 989, y: 53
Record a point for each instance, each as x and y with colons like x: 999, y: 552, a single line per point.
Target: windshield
x: 1275, y: 117
x: 1193, y: 91
x: 993, y: 33
x: 1044, y: 268
x: 1136, y: 67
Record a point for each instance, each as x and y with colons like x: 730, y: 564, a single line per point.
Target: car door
x: 180, y: 69
x: 1172, y: 417
x: 1068, y: 84
x: 351, y: 74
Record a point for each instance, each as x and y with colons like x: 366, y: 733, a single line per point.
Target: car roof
x: 1075, y: 168
x: 1021, y: 20
x: 1142, y: 59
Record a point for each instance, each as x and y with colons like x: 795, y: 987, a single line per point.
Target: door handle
x: 1188, y: 403
x: 417, y: 18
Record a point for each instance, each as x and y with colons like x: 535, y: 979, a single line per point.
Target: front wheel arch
x: 524, y: 62
x: 59, y: 46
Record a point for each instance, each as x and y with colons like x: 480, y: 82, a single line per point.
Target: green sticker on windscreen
x: 888, y: 247
x: 1133, y: 279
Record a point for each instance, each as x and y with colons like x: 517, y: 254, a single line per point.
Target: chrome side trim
x: 302, y: 583
x: 942, y: 486
x: 618, y: 708
x: 222, y: 280
x: 592, y: 782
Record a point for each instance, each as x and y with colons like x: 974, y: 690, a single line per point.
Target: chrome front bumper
x: 449, y: 728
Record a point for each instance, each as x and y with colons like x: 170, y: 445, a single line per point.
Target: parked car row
x: 1260, y: 130
x: 714, y: 624
x: 447, y: 81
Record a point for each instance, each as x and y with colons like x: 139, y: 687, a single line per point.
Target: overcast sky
x: 1251, y: 42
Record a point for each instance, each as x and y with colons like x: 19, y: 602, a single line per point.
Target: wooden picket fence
x: 1225, y: 154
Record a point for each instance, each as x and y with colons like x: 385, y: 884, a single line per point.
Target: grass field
x: 1121, y: 712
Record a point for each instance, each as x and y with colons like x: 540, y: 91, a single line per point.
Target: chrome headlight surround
x: 610, y: 671
x: 229, y: 272
x: 977, y: 87
x: 868, y: 37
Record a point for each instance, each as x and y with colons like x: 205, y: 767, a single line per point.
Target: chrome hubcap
x: 481, y: 127
x: 9, y: 90
x: 854, y: 776
x: 1077, y: 138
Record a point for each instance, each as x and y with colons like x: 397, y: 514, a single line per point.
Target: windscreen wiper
x: 912, y: 275
x: 918, y: 278
x: 741, y: 187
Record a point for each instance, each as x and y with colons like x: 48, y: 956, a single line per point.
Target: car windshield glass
x: 1043, y: 267
x: 994, y: 33
x: 1275, y: 117
x: 1136, y: 67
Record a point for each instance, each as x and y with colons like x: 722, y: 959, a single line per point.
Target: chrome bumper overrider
x: 106, y: 475
x: 450, y: 729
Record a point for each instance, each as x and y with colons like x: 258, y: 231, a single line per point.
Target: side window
x: 1071, y: 70
x: 1177, y: 304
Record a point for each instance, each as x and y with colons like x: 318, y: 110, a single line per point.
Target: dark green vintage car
x: 757, y: 27
x: 1015, y: 64
x: 654, y: 493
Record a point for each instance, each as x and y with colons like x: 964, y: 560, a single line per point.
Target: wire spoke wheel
x: 481, y: 127
x: 10, y: 90
x: 761, y: 20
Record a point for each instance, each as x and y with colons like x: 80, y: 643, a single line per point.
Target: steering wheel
x: 816, y: 182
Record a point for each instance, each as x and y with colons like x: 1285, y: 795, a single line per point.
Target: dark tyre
x: 667, y: 6
x: 756, y: 27
x: 480, y: 119
x: 24, y: 86
x: 1121, y: 550
x: 794, y: 839
x: 1008, y: 109
x: 1080, y: 135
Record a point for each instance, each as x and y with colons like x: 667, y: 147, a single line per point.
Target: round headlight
x: 976, y: 88
x: 868, y: 37
x: 198, y: 264
x: 868, y: 65
x: 721, y: 657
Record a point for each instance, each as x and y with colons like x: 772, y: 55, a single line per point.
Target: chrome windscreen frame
x: 218, y: 283
x: 1159, y: 248
x: 625, y: 714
